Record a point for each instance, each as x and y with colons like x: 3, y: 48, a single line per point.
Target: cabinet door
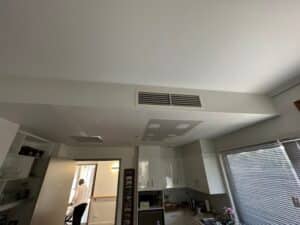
x: 178, y: 170
x: 167, y: 168
x: 143, y: 170
x: 150, y: 176
x: 172, y: 168
x: 156, y: 170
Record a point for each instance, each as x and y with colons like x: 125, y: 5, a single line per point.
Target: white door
x: 53, y: 199
x: 103, y: 205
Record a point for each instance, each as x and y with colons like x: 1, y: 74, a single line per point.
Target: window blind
x: 263, y: 182
x: 293, y: 151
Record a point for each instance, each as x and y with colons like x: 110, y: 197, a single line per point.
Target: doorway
x: 102, y: 179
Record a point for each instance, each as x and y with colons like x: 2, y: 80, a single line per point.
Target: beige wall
x: 127, y: 155
x: 52, y: 202
x: 286, y: 125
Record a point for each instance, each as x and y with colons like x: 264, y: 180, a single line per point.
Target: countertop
x: 184, y: 217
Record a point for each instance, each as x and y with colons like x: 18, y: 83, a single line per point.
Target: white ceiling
x: 242, y: 46
x: 118, y: 127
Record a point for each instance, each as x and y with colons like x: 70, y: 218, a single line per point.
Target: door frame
x: 93, y: 185
x: 118, y: 201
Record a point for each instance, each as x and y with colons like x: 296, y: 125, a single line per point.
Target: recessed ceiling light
x: 182, y: 126
x: 172, y: 135
x: 154, y: 126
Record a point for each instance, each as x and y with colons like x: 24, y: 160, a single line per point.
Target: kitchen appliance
x: 151, y: 217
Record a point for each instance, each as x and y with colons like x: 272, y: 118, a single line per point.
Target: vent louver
x: 166, y: 99
x: 185, y: 100
x: 149, y: 98
x: 87, y: 139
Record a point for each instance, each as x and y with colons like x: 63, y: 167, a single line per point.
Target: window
x: 264, y: 182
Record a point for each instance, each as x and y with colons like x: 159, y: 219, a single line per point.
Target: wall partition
x: 264, y: 183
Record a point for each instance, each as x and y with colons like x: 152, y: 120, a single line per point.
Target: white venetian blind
x: 263, y: 181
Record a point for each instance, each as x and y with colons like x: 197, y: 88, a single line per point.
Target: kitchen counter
x: 183, y: 217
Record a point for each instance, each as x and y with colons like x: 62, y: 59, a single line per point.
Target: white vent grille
x: 167, y: 99
x: 186, y: 100
x: 149, y: 98
x: 87, y: 139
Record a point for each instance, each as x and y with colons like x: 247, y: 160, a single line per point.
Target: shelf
x: 15, y: 154
x: 17, y: 179
x: 150, y: 189
x: 12, y: 179
x: 150, y: 209
x: 11, y: 205
x: 175, y: 187
x: 105, y: 197
x: 165, y: 188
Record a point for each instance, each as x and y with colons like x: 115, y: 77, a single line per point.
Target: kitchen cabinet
x: 160, y: 168
x: 152, y: 217
x: 150, y: 167
x: 172, y: 168
x: 194, y: 165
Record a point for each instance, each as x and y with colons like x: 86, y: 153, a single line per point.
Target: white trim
x: 227, y: 187
x: 222, y: 156
x: 34, y: 136
x: 285, y: 87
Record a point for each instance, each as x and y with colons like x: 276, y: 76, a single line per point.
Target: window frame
x: 226, y: 170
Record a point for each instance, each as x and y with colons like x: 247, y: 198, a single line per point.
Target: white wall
x: 212, y: 167
x: 127, y: 155
x: 115, y: 96
x: 286, y: 125
x: 8, y: 131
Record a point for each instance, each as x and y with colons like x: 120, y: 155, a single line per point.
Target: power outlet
x: 296, y: 202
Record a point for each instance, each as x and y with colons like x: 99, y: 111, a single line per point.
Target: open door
x: 53, y: 199
x: 87, y: 172
x: 104, y: 199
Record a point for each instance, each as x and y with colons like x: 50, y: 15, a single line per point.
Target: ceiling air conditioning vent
x: 87, y: 139
x: 151, y: 98
x: 186, y: 100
